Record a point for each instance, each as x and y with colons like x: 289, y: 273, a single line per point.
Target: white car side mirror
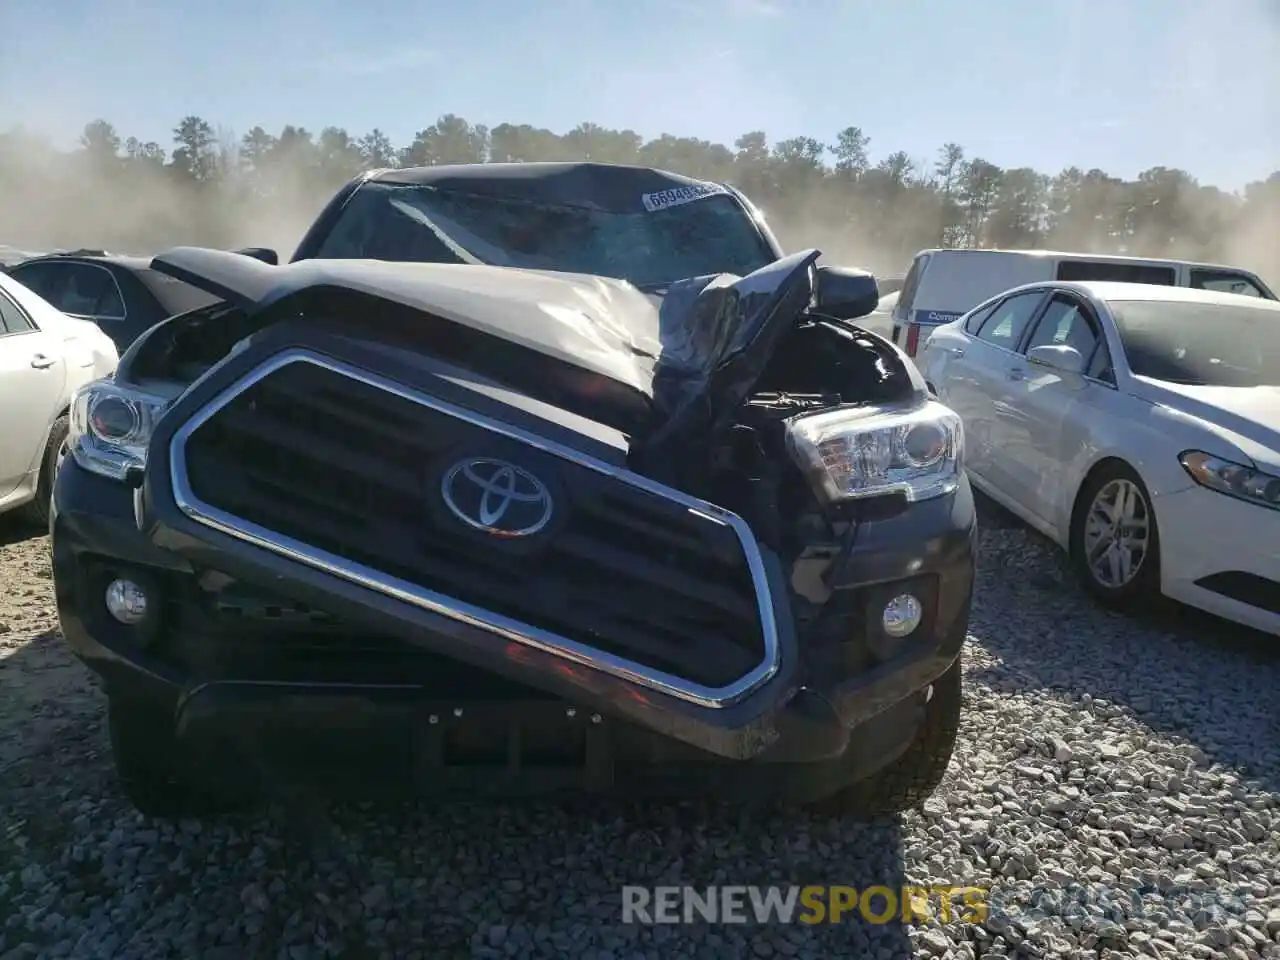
x: 1058, y: 357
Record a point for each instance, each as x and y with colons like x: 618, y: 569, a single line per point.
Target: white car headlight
x: 111, y: 426
x: 1233, y: 479
x: 863, y: 452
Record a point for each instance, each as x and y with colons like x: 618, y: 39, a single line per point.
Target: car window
x: 974, y: 323
x: 42, y: 279
x: 91, y: 291
x: 1225, y: 281
x: 1116, y: 272
x: 1065, y: 323
x: 111, y: 303
x: 1005, y: 325
x: 1201, y: 344
x: 1100, y: 367
x: 12, y: 318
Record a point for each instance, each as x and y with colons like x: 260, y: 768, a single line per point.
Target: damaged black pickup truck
x: 520, y: 478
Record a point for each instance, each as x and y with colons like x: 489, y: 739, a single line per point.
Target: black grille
x: 355, y: 470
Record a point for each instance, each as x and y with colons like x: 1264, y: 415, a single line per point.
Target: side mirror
x: 1058, y: 357
x: 265, y: 254
x: 845, y: 293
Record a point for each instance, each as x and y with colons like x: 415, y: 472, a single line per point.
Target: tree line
x: 211, y: 187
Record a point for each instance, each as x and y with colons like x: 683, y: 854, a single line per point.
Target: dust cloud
x: 130, y: 197
x: 52, y: 199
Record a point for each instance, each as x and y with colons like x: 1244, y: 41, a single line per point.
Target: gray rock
x: 934, y: 941
x: 1273, y: 922
x: 1175, y: 840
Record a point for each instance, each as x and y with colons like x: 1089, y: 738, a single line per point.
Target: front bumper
x: 1221, y: 555
x: 373, y: 671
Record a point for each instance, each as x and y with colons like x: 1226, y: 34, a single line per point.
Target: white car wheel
x: 55, y: 452
x: 1115, y: 539
x: 1116, y: 533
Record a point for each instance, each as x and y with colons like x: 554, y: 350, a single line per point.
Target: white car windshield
x: 1203, y: 344
x: 420, y: 223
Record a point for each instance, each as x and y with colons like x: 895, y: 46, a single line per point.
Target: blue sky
x: 1117, y: 84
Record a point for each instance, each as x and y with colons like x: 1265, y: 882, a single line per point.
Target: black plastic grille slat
x: 619, y: 561
x: 346, y: 467
x: 271, y: 436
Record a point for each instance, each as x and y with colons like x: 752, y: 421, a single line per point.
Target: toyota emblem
x: 496, y: 497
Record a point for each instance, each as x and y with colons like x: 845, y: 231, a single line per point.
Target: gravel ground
x: 1097, y: 753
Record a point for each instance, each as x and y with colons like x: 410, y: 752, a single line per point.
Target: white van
x: 944, y: 284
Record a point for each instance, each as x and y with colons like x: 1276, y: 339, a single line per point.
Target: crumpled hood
x: 1250, y: 416
x: 603, y: 325
x: 691, y: 353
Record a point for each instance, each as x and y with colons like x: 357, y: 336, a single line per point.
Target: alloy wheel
x: 1117, y: 532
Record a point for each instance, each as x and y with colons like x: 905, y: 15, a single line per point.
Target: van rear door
x: 902, y: 309
x: 953, y: 282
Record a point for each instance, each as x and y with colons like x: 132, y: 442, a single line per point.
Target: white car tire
x: 1115, y: 540
x: 38, y: 510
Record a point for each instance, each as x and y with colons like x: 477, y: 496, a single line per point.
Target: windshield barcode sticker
x: 678, y: 195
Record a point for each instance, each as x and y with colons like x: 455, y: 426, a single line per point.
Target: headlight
x: 111, y: 427
x: 1233, y: 479
x: 864, y: 452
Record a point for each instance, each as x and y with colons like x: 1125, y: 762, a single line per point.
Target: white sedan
x: 45, y: 356
x: 1138, y: 426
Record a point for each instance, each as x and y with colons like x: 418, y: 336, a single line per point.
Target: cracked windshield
x: 714, y: 235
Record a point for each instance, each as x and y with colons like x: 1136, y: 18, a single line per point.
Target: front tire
x: 148, y: 762
x: 1115, y: 541
x: 912, y: 778
x: 38, y: 510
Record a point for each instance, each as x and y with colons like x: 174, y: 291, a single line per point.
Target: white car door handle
x: 41, y: 361
x: 954, y: 351
x: 1017, y: 373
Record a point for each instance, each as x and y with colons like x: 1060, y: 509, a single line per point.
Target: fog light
x: 901, y: 615
x: 126, y: 601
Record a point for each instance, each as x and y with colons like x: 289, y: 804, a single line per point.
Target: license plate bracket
x: 483, y: 747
